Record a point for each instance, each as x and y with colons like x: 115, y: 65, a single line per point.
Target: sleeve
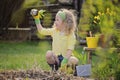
x: 46, y: 31
x: 71, y: 41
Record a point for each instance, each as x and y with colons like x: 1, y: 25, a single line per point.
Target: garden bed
x: 36, y: 74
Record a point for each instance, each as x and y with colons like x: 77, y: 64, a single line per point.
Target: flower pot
x: 102, y: 41
x: 92, y: 42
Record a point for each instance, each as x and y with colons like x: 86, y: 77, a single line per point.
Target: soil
x: 36, y: 74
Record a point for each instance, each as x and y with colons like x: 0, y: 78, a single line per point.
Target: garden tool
x: 37, y: 14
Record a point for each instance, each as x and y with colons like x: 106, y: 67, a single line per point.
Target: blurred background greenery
x: 102, y: 18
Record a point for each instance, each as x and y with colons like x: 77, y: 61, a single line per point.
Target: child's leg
x: 52, y: 60
x: 50, y: 57
x: 73, y: 62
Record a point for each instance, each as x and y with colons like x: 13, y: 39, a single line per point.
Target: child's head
x: 65, y: 21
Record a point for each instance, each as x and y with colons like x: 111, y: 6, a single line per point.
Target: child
x: 63, y: 39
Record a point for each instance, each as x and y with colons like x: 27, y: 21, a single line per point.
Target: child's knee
x: 49, y: 54
x: 73, y: 61
x: 50, y: 57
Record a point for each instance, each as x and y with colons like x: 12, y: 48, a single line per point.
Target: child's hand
x: 65, y: 68
x: 37, y: 14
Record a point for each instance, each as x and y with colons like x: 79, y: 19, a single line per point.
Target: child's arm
x: 37, y: 15
x: 39, y: 26
x: 66, y: 57
x: 65, y: 61
x: 68, y: 54
x: 71, y: 43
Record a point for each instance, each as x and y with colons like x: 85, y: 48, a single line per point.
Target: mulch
x: 36, y: 74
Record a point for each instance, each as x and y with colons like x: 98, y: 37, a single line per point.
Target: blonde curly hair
x: 68, y: 20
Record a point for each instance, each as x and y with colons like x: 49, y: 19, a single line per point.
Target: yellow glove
x: 41, y: 13
x: 37, y: 14
x: 70, y: 70
x: 65, y: 68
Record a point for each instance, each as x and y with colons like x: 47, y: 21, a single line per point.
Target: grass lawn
x: 27, y: 55
x: 23, y: 55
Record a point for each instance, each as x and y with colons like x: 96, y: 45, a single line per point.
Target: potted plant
x: 102, y: 25
x: 92, y: 41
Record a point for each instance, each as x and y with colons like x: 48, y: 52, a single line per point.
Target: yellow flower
x: 97, y: 17
x: 114, y: 13
x: 95, y: 22
x: 102, y: 13
x: 108, y: 9
x: 99, y: 13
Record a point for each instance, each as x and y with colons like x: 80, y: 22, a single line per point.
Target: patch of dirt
x: 36, y: 74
